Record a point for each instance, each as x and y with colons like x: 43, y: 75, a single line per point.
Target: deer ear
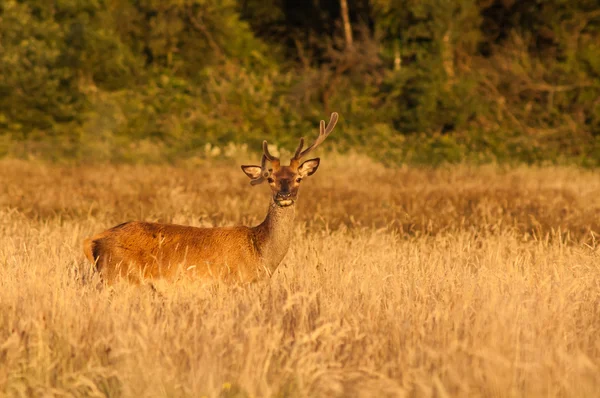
x: 252, y: 171
x: 309, y: 167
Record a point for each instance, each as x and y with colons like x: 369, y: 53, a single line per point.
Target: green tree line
x: 420, y: 81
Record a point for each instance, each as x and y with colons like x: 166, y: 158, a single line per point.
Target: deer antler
x: 265, y: 172
x: 266, y: 153
x: 323, y: 133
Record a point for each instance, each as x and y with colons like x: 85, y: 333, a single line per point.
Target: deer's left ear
x: 252, y: 171
x: 309, y: 167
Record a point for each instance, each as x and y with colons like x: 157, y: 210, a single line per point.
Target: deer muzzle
x: 285, y: 199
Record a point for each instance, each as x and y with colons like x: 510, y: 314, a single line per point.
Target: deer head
x: 284, y: 181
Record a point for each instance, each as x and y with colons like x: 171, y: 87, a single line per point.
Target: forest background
x: 420, y: 82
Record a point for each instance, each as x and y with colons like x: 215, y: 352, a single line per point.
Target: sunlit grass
x: 403, y: 282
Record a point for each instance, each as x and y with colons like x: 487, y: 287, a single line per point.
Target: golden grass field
x: 399, y: 282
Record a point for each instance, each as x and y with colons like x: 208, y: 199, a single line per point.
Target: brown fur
x: 136, y: 250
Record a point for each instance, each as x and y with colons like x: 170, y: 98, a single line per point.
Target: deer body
x: 139, y: 250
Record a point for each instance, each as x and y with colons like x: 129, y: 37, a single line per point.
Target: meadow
x: 400, y: 282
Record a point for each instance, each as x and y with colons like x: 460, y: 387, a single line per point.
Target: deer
x: 138, y: 250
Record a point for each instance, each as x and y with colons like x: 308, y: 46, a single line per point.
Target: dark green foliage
x: 429, y: 81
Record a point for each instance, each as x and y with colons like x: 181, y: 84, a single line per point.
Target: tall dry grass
x: 405, y: 282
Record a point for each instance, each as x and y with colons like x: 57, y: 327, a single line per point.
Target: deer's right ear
x: 252, y: 171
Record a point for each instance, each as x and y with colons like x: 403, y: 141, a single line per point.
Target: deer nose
x: 284, y: 194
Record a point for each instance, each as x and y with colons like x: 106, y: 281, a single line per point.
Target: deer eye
x: 298, y: 179
x: 270, y: 180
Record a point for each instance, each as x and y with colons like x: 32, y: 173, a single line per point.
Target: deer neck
x: 274, y: 235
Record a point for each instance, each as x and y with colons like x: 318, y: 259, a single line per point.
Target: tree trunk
x: 346, y: 23
x: 397, y: 58
x: 448, y: 56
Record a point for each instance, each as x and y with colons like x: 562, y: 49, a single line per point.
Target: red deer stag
x: 137, y: 250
